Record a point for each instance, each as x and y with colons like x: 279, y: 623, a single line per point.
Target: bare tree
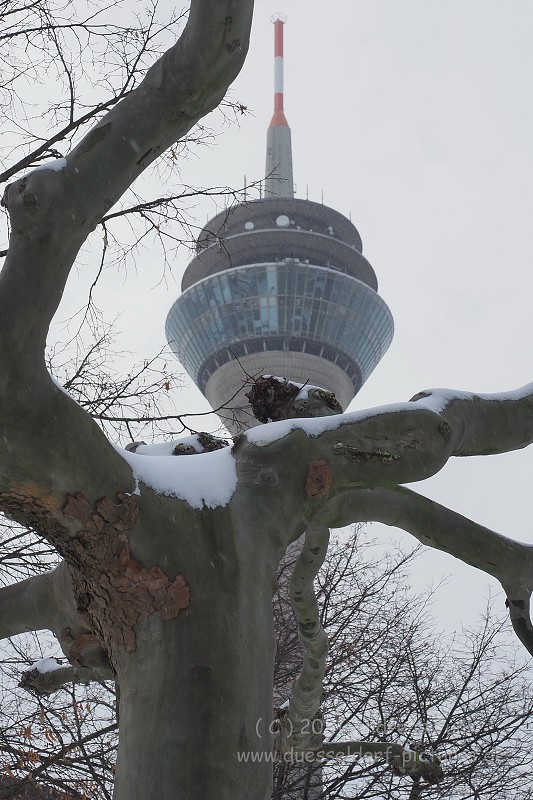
x: 51, y: 37
x: 67, y: 745
x: 391, y: 674
x: 97, y: 55
x: 169, y: 563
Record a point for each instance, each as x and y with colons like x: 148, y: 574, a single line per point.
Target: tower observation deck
x: 278, y: 286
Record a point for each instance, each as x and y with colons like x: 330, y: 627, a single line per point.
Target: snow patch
x: 313, y: 427
x: 202, y: 480
x: 305, y: 388
x: 56, y: 166
x: 47, y: 665
x: 439, y: 399
x: 167, y: 448
x: 303, y: 394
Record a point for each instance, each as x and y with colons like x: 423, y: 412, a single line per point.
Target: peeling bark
x: 318, y: 481
x: 32, y: 505
x: 113, y: 589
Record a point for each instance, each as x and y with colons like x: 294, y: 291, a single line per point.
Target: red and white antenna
x: 278, y: 118
x: 279, y: 181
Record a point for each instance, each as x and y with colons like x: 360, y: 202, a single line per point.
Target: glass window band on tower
x: 279, y: 306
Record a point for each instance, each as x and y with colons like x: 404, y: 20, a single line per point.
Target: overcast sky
x: 416, y: 119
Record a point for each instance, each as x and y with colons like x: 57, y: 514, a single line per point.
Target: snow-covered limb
x: 483, y: 424
x: 301, y: 728
x: 42, y: 681
x: 407, y: 442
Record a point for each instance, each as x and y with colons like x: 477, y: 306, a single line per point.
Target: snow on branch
x: 48, y: 675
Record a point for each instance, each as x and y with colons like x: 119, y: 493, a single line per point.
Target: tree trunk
x: 185, y: 717
x: 196, y: 693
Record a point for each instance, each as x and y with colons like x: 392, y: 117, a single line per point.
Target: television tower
x: 278, y: 286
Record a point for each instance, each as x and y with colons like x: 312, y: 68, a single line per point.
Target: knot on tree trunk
x: 30, y: 198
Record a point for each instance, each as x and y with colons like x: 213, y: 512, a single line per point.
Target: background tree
x: 132, y: 566
x: 391, y: 674
x: 96, y: 55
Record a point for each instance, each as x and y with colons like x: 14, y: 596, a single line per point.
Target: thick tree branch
x: 52, y: 210
x: 405, y: 442
x: 484, y: 424
x: 37, y: 603
x: 509, y: 561
x: 51, y: 215
x: 383, y: 446
x: 43, y: 683
x: 47, y: 602
x: 301, y: 728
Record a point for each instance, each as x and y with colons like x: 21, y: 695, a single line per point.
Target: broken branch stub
x: 273, y: 399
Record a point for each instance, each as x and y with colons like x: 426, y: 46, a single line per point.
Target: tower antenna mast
x: 279, y: 180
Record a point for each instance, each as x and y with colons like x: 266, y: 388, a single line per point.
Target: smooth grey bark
x: 175, y: 601
x: 301, y: 727
x: 196, y: 692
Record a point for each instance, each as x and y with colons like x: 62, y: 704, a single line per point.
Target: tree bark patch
x: 318, y: 481
x: 114, y: 590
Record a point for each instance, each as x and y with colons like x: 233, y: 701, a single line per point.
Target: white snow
x: 266, y: 434
x: 206, y: 479
x: 305, y: 388
x: 436, y: 402
x: 303, y: 394
x: 47, y: 665
x: 439, y: 398
x: 56, y: 166
x: 166, y: 448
